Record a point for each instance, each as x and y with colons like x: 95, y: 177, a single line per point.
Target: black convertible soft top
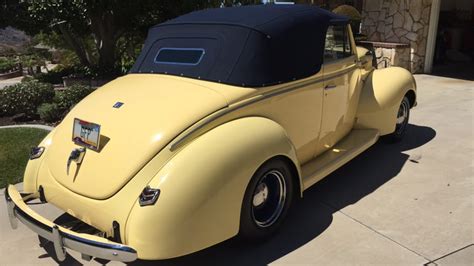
x: 250, y: 46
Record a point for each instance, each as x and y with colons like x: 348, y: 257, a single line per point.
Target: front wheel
x: 267, y: 200
x: 402, y: 121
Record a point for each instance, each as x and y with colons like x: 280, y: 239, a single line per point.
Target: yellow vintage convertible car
x: 227, y: 116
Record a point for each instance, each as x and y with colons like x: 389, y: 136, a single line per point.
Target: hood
x: 156, y: 108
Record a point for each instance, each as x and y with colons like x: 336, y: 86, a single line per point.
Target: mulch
x: 15, y: 120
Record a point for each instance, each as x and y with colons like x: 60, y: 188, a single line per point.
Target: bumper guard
x: 62, y: 238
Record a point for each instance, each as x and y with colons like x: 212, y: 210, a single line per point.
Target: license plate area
x: 86, y: 134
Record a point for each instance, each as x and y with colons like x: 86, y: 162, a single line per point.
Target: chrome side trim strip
x: 176, y: 143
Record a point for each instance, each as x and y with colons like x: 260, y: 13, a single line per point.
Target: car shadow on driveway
x: 313, y: 214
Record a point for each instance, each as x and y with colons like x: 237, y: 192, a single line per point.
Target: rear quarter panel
x: 202, y: 189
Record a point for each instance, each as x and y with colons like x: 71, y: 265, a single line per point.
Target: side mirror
x: 366, y: 57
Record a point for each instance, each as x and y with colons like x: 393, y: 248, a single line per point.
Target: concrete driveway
x: 404, y: 204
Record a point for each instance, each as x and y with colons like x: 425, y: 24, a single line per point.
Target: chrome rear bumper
x: 87, y: 245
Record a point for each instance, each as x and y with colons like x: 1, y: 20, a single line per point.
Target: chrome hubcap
x: 261, y: 195
x: 402, y: 117
x: 269, y: 199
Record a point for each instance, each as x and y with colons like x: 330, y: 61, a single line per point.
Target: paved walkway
x: 30, y: 126
x: 402, y: 204
x: 8, y: 82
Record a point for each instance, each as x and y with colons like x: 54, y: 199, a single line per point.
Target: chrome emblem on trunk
x: 76, y: 155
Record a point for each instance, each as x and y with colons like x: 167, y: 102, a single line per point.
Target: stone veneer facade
x: 399, y: 21
x: 389, y: 54
x: 394, y: 56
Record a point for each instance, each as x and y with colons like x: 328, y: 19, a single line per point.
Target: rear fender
x: 381, y: 96
x: 202, y: 188
x: 31, y: 172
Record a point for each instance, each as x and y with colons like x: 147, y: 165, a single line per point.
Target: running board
x: 357, y: 141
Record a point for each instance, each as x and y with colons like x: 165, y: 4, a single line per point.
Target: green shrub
x: 27, y: 79
x: 63, y: 101
x: 353, y: 14
x: 34, y: 98
x: 54, y: 76
x: 69, y: 97
x: 6, y: 64
x: 349, y: 11
x: 25, y: 98
x: 32, y: 60
x: 50, y: 112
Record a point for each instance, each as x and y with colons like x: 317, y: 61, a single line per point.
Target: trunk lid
x: 156, y: 108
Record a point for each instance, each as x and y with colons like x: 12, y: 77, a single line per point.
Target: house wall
x: 399, y: 21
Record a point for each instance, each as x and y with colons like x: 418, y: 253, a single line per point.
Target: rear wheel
x: 267, y: 200
x: 402, y: 121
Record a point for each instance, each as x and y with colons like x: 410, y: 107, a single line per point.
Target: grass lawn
x: 15, y: 146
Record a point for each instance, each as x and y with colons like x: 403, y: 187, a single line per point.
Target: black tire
x: 403, y: 117
x: 263, y: 213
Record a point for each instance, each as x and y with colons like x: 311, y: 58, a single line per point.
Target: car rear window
x: 179, y: 56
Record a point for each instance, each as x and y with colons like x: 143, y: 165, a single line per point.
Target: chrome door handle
x: 329, y: 87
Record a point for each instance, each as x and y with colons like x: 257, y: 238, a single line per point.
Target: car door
x: 339, y: 65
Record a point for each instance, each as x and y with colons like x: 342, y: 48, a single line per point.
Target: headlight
x: 36, y: 152
x: 148, y: 196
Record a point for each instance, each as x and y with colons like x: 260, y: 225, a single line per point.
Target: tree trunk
x: 105, y: 34
x: 75, y: 44
x: 107, y: 53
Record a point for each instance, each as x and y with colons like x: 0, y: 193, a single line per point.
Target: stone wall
x: 399, y: 21
x: 396, y: 56
x: 389, y: 54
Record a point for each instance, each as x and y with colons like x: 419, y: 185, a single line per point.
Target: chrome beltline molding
x: 222, y: 112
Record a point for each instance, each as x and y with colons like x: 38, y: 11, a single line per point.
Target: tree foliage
x: 102, y: 33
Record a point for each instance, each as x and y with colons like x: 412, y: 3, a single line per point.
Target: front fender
x: 202, y: 188
x: 381, y: 96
